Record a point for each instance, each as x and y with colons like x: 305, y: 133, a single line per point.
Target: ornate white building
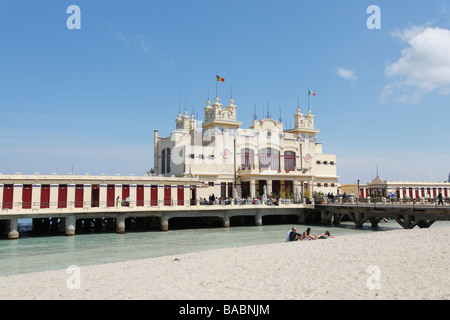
x: 264, y: 157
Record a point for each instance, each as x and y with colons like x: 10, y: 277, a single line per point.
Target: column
x: 54, y: 188
x: 12, y: 230
x: 118, y: 193
x: 133, y: 195
x: 70, y: 195
x: 87, y: 195
x: 70, y: 225
x: 160, y: 195
x: 36, y: 196
x: 258, y: 218
x: 17, y: 196
x: 164, y: 223
x: 187, y: 195
x: 120, y: 224
x: 1, y: 195
x: 269, y: 187
x: 103, y: 195
x: 252, y: 188
x: 147, y: 194
x: 226, y: 221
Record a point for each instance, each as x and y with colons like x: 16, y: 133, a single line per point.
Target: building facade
x: 236, y: 162
x: 399, y: 189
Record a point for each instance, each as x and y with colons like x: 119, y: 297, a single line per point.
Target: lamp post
x: 359, y: 192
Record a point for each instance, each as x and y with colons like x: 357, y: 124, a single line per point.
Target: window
x: 318, y: 162
x: 325, y: 185
x: 269, y: 157
x: 319, y: 184
x: 168, y: 160
x: 332, y: 163
x: 289, y: 161
x: 163, y: 161
x: 247, y: 158
x: 325, y: 162
x: 191, y: 156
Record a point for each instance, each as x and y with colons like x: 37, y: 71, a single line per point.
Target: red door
x: 180, y: 195
x: 140, y: 196
x: 110, y: 194
x: 167, y: 195
x: 45, y: 196
x: 8, y: 192
x: 62, y: 196
x: 154, y: 196
x: 95, y: 196
x: 79, y: 195
x: 26, y: 196
x: 125, y: 194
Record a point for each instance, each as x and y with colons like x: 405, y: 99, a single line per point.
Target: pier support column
x: 70, y: 223
x: 120, y: 224
x: 12, y: 230
x: 164, y: 223
x: 326, y: 217
x: 226, y: 221
x: 302, y: 218
x: 258, y: 219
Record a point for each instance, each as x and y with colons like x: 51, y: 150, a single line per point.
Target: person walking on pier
x: 440, y: 198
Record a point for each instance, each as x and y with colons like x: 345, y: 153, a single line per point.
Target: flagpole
x: 308, y: 99
x: 216, y: 85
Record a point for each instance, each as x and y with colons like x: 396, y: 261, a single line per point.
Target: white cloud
x: 345, y: 73
x: 424, y: 66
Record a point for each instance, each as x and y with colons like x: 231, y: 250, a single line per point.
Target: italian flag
x: 311, y: 93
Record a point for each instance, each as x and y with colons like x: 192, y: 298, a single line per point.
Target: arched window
x: 289, y: 161
x: 269, y: 157
x: 247, y: 158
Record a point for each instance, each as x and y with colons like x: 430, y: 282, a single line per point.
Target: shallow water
x: 41, y: 253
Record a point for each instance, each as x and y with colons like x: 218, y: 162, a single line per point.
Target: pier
x: 68, y: 220
x: 408, y: 214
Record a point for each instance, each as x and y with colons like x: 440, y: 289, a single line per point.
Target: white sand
x: 412, y: 264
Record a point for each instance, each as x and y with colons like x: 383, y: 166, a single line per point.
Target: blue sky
x: 91, y: 98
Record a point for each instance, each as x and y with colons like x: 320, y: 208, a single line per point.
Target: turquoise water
x: 30, y: 254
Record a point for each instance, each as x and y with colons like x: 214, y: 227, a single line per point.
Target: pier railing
x: 154, y: 204
x: 384, y: 202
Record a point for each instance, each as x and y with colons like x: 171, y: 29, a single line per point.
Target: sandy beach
x: 401, y: 264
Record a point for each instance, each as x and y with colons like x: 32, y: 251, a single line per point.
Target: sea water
x: 42, y: 253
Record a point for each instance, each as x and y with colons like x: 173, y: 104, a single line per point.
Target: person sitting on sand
x: 326, y: 235
x: 307, y: 235
x: 293, y: 235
